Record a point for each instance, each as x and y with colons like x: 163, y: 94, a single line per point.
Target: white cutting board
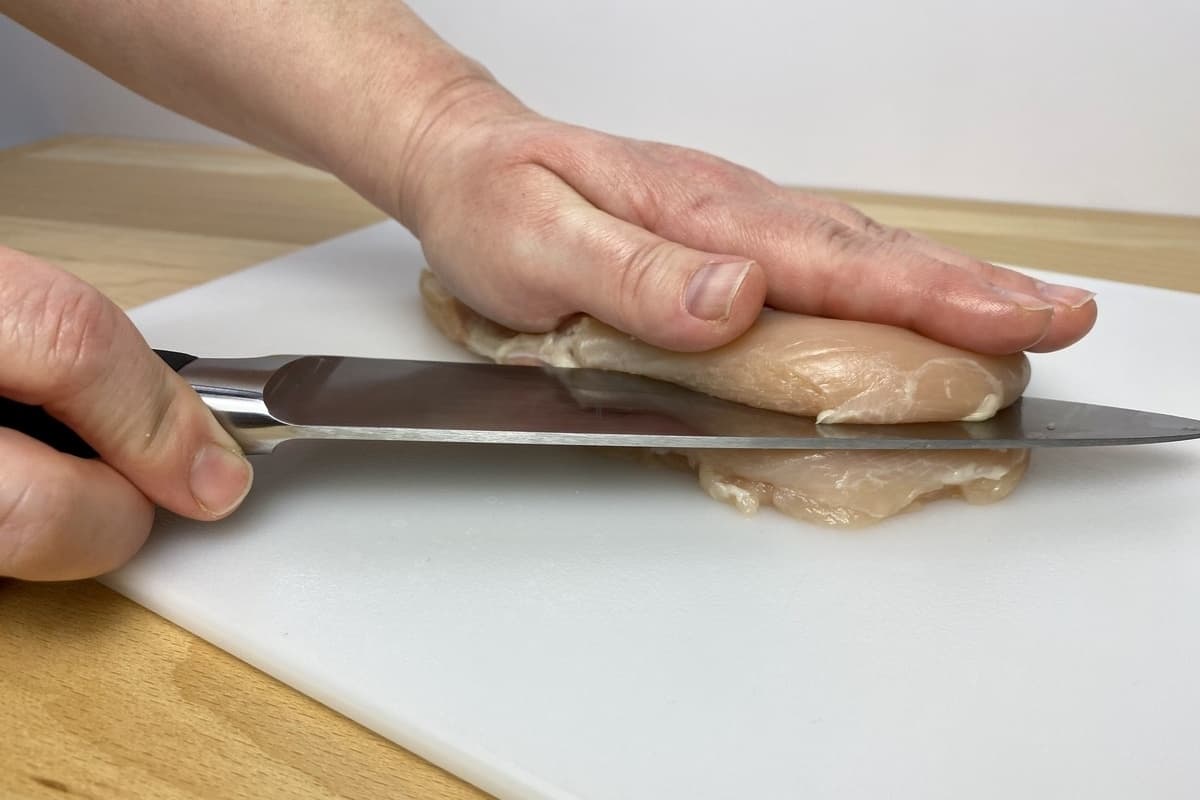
x: 553, y: 623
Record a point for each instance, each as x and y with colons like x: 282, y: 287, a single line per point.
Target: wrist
x: 414, y: 126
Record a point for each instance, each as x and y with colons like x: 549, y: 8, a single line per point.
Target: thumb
x: 66, y: 347
x: 661, y: 292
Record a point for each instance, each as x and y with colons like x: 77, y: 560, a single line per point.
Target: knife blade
x: 331, y: 397
x: 267, y: 401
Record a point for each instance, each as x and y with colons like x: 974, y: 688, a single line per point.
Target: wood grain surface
x: 100, y: 698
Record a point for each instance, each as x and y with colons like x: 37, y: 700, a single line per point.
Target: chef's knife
x: 267, y: 401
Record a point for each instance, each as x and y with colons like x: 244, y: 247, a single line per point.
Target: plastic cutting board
x: 552, y: 623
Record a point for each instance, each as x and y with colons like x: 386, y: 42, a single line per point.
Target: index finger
x: 818, y: 265
x: 1074, y: 308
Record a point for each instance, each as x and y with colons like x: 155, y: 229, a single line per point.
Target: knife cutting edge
x: 266, y: 401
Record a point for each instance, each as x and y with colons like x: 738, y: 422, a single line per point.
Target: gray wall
x: 45, y: 92
x: 1046, y: 101
x: 27, y: 111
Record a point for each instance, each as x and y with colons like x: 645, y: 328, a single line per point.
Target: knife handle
x: 33, y: 421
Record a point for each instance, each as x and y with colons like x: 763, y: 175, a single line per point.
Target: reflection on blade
x: 437, y: 401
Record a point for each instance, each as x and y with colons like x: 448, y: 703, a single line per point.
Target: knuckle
x: 712, y: 170
x: 990, y: 273
x: 62, y: 329
x: 641, y: 270
x: 705, y: 205
x: 155, y: 431
x: 851, y: 216
x: 672, y: 186
x: 840, y: 238
x: 896, y: 236
x: 545, y: 221
x: 847, y: 215
x: 941, y: 283
x: 652, y: 205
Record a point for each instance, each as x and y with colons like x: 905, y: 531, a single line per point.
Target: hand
x: 528, y: 221
x: 65, y: 347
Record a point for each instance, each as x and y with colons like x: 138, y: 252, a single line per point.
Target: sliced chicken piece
x: 852, y: 488
x: 834, y: 370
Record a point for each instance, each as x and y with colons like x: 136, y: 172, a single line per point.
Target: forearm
x: 344, y: 85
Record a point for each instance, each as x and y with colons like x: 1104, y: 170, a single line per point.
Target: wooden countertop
x: 100, y: 698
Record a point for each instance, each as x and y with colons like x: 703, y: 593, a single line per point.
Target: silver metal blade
x: 360, y: 398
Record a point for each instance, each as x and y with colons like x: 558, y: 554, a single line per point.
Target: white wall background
x: 26, y: 111
x: 45, y: 92
x: 1047, y: 101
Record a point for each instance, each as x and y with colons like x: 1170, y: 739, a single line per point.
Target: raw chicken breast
x: 835, y: 370
x: 852, y: 488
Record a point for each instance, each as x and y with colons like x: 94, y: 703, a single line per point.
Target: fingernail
x: 711, y: 291
x: 1069, y: 296
x: 220, y: 479
x: 1025, y: 301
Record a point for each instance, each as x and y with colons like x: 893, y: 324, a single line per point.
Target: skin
x: 527, y: 219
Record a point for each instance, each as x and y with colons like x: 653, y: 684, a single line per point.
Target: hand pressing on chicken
x: 528, y: 221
